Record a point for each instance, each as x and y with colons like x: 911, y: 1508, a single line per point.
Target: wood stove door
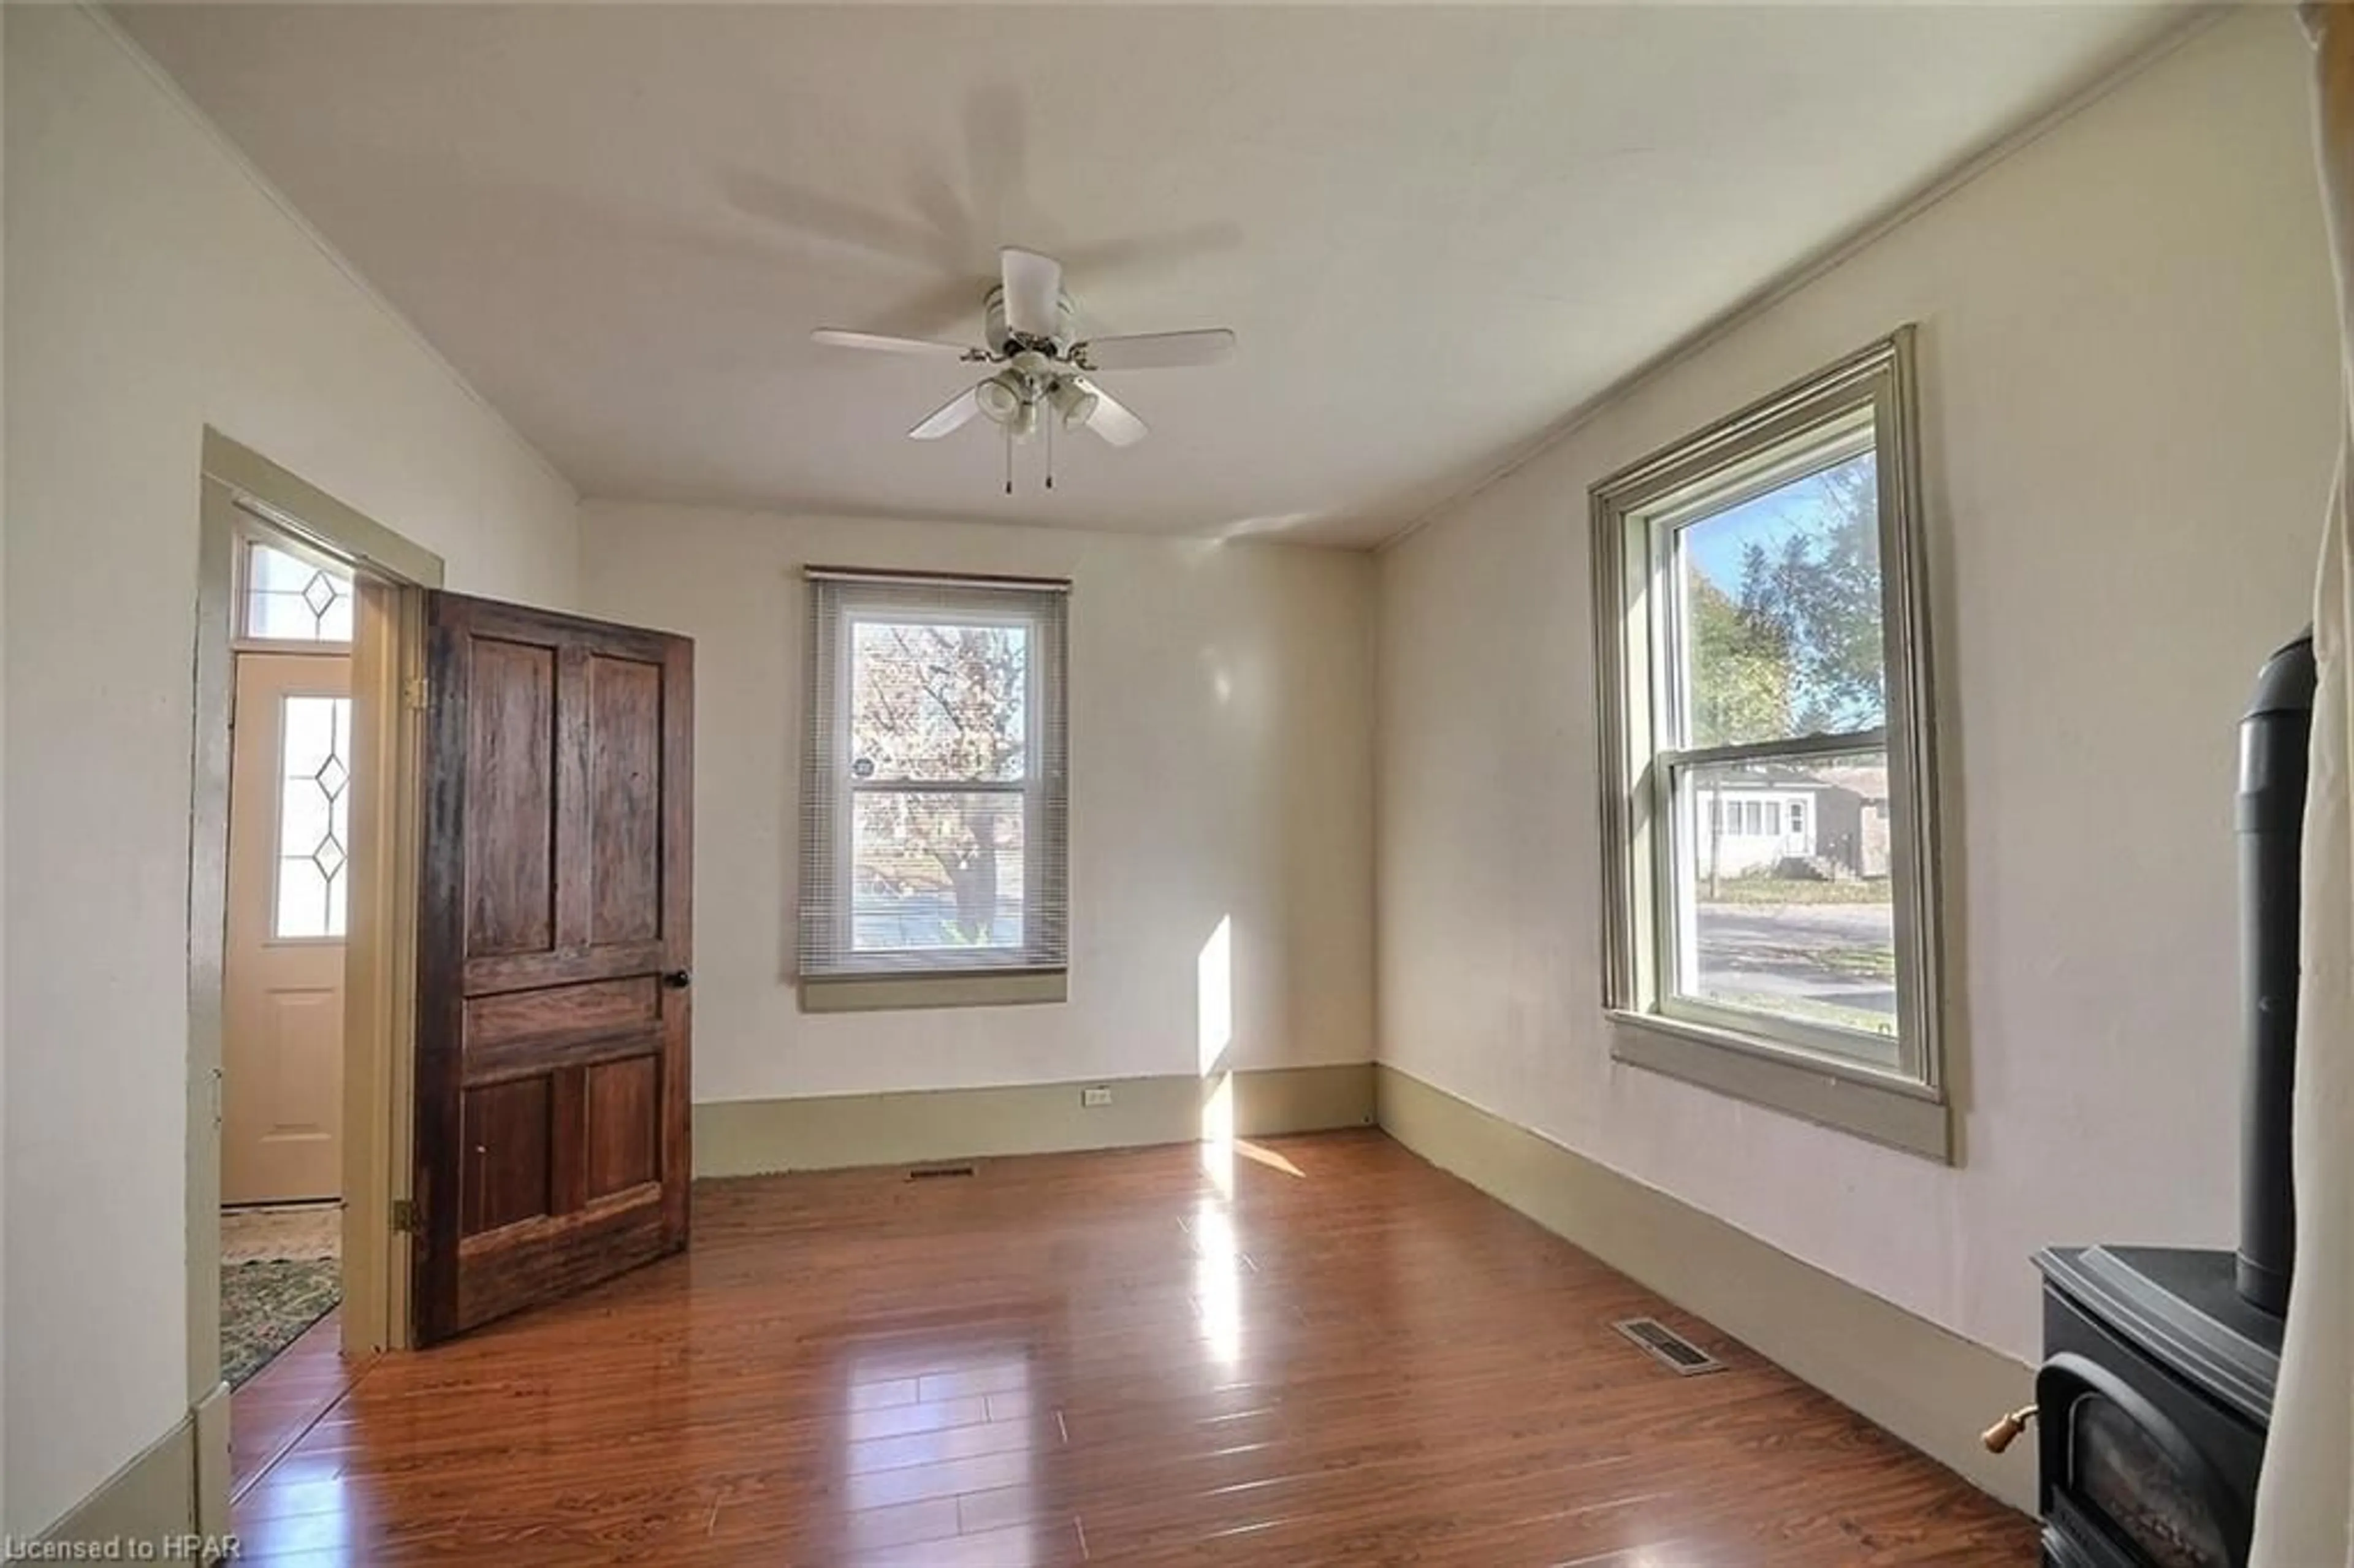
x: 2123, y: 1483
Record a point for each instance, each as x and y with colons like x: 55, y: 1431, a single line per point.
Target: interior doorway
x: 282, y: 957
x: 502, y: 1119
x: 302, y: 896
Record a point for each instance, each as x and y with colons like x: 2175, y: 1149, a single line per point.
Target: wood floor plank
x: 1334, y: 1353
x: 294, y: 1389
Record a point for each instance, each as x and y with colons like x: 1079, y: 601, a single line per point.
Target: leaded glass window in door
x: 314, y: 817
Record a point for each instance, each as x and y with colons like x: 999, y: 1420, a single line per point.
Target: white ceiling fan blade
x: 883, y: 343
x: 1157, y: 350
x: 1033, y: 292
x: 951, y: 415
x: 1111, y: 418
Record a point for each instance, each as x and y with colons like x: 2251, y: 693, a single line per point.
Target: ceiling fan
x: 1042, y: 367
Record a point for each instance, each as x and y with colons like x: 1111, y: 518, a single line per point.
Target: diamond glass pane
x: 288, y: 599
x: 313, y: 816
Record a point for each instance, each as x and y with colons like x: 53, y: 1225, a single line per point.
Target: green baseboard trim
x: 745, y: 1137
x: 1926, y: 1384
x: 1269, y: 1101
x: 148, y: 1502
x: 213, y: 1468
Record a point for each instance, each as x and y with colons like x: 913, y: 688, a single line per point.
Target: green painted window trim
x: 1892, y: 1111
x: 1782, y: 1065
x: 879, y: 993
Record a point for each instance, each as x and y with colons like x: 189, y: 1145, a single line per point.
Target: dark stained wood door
x: 553, y: 958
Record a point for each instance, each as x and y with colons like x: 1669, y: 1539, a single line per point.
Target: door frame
x: 245, y: 495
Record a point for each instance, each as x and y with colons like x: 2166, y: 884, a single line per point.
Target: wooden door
x: 553, y: 957
x: 282, y: 962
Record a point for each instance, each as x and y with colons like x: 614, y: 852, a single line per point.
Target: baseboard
x: 213, y: 1470
x: 743, y: 1137
x: 1926, y: 1384
x: 149, y: 1502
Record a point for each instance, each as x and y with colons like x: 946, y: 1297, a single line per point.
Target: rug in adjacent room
x: 280, y: 1274
x: 266, y: 1305
x: 258, y: 1231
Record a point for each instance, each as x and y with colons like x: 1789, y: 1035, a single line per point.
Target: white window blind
x: 934, y: 802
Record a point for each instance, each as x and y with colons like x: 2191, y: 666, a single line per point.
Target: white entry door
x: 282, y: 1014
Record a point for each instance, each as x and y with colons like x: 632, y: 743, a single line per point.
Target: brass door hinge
x: 404, y: 1216
x: 417, y: 692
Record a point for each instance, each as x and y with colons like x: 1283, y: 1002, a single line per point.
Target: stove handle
x: 2005, y: 1432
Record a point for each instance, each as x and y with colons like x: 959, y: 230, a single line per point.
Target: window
x: 286, y: 597
x: 289, y: 599
x: 314, y: 817
x: 1759, y: 606
x: 933, y: 824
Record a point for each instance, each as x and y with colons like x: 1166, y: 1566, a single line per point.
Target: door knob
x: 679, y: 980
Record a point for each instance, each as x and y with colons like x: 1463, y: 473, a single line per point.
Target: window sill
x: 1901, y: 1115
x: 887, y: 992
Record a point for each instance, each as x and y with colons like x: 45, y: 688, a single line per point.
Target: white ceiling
x: 1438, y: 230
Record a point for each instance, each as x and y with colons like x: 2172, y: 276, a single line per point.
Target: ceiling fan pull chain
x: 1009, y: 459
x: 1050, y: 449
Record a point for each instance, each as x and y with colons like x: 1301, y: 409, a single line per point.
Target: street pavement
x: 1784, y: 949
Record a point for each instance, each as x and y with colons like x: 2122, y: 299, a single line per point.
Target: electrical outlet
x: 1097, y: 1098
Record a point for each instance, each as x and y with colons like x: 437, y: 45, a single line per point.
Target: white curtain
x: 2304, y: 1504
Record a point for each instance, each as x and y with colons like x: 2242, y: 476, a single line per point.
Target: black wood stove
x: 2155, y: 1390
x: 2159, y: 1362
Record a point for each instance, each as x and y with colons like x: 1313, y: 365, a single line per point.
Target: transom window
x: 1771, y: 920
x: 933, y: 826
x: 290, y: 599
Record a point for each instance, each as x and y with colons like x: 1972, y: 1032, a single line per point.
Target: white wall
x: 3, y: 771
x: 2130, y: 406
x: 154, y: 288
x: 1221, y: 762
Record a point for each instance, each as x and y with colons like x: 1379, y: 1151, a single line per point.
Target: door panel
x: 554, y: 1020
x: 510, y: 779
x: 507, y: 1127
x: 624, y: 1122
x: 624, y: 764
x: 282, y: 968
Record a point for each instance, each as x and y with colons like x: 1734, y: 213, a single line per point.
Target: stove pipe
x: 2274, y: 739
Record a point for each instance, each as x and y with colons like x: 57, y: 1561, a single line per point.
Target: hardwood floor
x: 1107, y: 1357
x: 278, y: 1404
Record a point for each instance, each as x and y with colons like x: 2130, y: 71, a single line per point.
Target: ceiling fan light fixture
x: 1074, y: 403
x: 1037, y: 365
x: 1001, y: 397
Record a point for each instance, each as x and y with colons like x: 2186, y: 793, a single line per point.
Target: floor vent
x: 1667, y: 1347
x: 926, y: 1172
